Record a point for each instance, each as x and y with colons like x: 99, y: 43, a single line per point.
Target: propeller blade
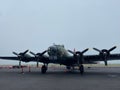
x: 74, y: 50
x: 37, y: 64
x: 105, y: 63
x: 20, y: 64
x: 85, y: 50
x: 32, y: 53
x: 15, y: 53
x: 43, y: 52
x: 25, y: 52
x: 71, y: 52
x: 97, y: 50
x: 111, y: 49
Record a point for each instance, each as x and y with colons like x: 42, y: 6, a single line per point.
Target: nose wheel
x: 68, y: 67
x: 43, y: 69
x: 81, y: 68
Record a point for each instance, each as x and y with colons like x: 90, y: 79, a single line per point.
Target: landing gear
x: 68, y: 67
x: 43, y: 69
x: 81, y: 68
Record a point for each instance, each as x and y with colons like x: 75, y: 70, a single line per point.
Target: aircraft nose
x: 52, y: 50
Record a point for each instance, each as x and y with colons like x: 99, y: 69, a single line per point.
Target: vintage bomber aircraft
x: 57, y: 54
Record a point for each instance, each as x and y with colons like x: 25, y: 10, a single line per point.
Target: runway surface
x: 57, y: 78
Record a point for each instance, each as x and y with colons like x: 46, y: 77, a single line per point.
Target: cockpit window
x: 52, y: 50
x: 56, y: 50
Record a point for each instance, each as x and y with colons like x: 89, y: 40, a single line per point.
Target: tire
x: 43, y: 69
x: 81, y: 68
x: 68, y: 67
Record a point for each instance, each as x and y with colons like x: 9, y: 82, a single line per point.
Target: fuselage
x: 58, y: 54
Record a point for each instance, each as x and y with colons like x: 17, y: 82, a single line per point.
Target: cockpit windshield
x: 52, y: 50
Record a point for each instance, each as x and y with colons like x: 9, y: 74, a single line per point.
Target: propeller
x: 79, y: 55
x: 38, y: 56
x: 20, y: 56
x: 104, y: 53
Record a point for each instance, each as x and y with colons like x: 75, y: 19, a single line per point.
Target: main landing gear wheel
x: 43, y: 69
x: 68, y: 67
x: 81, y: 68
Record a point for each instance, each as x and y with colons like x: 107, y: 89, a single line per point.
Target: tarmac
x: 57, y: 78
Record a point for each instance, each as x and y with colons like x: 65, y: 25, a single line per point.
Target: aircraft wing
x: 89, y: 59
x: 27, y: 59
x: 10, y: 58
x: 99, y: 58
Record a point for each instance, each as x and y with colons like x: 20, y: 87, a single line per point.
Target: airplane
x: 57, y: 54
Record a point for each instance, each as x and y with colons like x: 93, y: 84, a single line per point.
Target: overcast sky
x: 37, y: 24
